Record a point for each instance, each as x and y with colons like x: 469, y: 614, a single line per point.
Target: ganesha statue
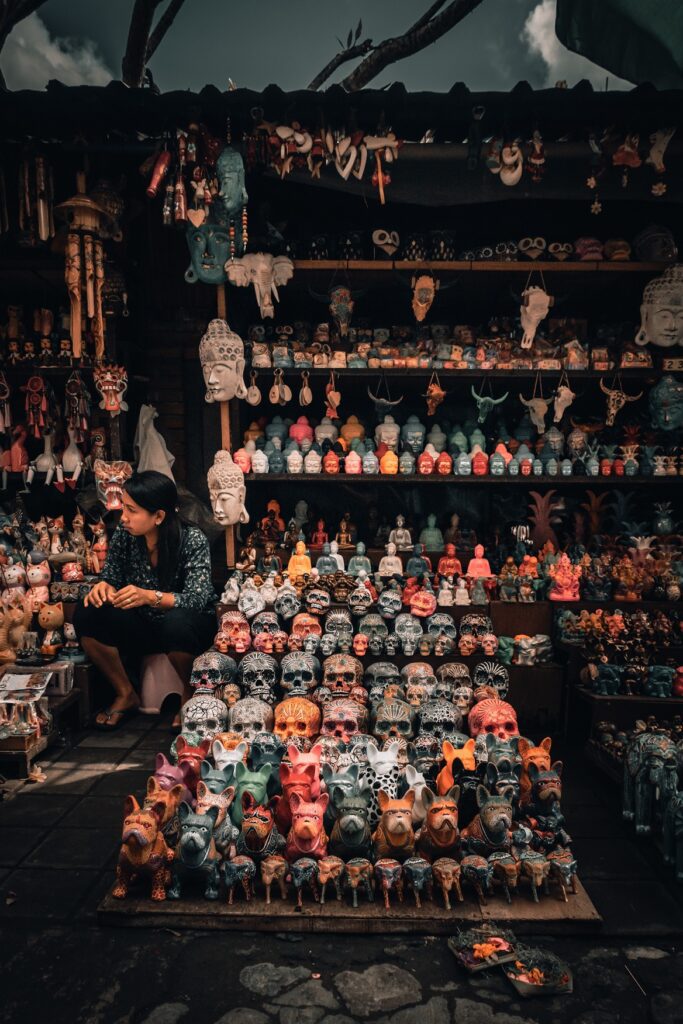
x: 221, y: 353
x: 565, y: 579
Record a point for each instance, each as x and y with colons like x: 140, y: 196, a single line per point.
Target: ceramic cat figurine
x: 38, y: 576
x: 14, y: 621
x: 51, y: 619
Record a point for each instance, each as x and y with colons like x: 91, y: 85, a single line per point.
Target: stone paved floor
x: 58, y: 843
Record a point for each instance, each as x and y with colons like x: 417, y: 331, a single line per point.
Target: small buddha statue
x: 292, y: 535
x: 431, y: 536
x: 452, y: 534
x: 247, y: 557
x: 299, y: 563
x: 390, y: 564
x: 449, y: 563
x: 478, y: 594
x: 445, y: 596
x: 269, y: 561
x: 343, y: 538
x: 462, y: 594
x: 418, y: 563
x: 479, y: 566
x: 359, y: 562
x: 400, y: 535
x: 319, y: 536
x: 269, y: 527
x: 334, y: 553
x: 326, y: 563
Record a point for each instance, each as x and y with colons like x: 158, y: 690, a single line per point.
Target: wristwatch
x: 158, y: 595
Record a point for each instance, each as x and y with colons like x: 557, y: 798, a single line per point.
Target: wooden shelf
x: 483, y: 266
x: 469, y: 376
x: 624, y: 698
x: 469, y: 481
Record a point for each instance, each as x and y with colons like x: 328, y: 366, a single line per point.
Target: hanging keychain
x: 280, y: 393
x: 5, y: 408
x: 305, y: 394
x: 254, y: 396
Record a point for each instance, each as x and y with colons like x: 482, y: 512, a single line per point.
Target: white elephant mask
x: 221, y: 353
x: 265, y: 272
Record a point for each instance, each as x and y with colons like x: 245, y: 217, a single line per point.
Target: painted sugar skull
x: 360, y: 645
x: 304, y: 625
x: 250, y: 716
x: 300, y: 673
x: 494, y: 674
x: 409, y: 631
x: 202, y: 717
x: 424, y: 752
x: 418, y: 673
x: 389, y: 603
x: 463, y: 698
x: 343, y: 718
x: 265, y: 622
x: 418, y: 693
x: 455, y: 672
x: 339, y: 621
x: 439, y: 718
x: 373, y: 625
x: 378, y: 676
x: 212, y: 671
x: 474, y: 624
x: 287, y: 603
x: 360, y: 599
x: 297, y: 719
x: 393, y: 719
x: 257, y: 675
x: 489, y: 644
x: 441, y: 624
x: 317, y: 600
x: 235, y: 631
x: 493, y: 717
x: 341, y: 672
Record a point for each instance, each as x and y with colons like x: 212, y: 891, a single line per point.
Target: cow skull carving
x: 485, y: 404
x: 563, y: 399
x: 616, y: 400
x: 265, y: 272
x: 535, y: 306
x: 538, y: 410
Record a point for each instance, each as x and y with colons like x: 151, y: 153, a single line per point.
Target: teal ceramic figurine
x: 359, y: 562
x: 431, y: 536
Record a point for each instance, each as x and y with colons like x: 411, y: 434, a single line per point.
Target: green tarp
x: 639, y: 40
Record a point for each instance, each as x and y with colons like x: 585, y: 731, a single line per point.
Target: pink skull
x: 489, y: 644
x: 496, y: 717
x: 467, y: 645
x: 360, y: 644
x: 343, y: 718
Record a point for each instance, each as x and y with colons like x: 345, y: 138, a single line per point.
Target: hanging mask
x: 424, y: 288
x: 112, y: 384
x: 110, y: 478
x: 266, y: 273
x: 564, y: 396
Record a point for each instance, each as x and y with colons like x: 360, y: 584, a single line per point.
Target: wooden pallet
x: 550, y: 916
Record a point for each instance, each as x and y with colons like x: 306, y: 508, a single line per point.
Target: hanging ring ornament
x: 305, y: 394
x: 254, y: 396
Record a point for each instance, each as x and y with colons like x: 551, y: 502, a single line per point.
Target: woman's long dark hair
x: 156, y: 492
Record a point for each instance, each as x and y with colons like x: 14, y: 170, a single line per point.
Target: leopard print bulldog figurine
x: 144, y: 852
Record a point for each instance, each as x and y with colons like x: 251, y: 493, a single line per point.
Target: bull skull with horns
x: 485, y: 404
x: 616, y: 400
x: 341, y: 302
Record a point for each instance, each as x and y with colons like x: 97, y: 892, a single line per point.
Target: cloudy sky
x: 268, y: 41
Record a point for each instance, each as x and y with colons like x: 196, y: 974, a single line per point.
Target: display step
x: 550, y: 916
x: 485, y: 266
x: 624, y: 698
x: 368, y: 479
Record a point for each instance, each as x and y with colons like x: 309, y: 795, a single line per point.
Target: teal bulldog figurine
x: 195, y: 854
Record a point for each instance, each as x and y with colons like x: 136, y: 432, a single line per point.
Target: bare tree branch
x: 11, y: 13
x: 410, y: 42
x: 133, y: 63
x: 162, y: 26
x: 427, y: 16
x: 341, y: 58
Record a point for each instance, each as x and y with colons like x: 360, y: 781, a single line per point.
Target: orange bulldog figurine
x: 143, y: 850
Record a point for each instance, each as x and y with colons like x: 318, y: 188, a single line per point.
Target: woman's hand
x: 132, y: 597
x: 100, y: 594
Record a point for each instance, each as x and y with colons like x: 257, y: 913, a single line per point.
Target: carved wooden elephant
x: 650, y: 764
x: 673, y: 833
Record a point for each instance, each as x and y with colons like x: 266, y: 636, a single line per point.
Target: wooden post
x: 226, y: 436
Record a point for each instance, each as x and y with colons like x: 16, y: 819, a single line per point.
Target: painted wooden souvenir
x: 195, y: 853
x: 358, y: 874
x: 265, y: 272
x: 144, y: 851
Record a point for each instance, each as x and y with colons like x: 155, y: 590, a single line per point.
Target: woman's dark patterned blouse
x: 191, y: 584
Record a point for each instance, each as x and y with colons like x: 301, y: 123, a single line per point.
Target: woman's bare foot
x: 110, y: 716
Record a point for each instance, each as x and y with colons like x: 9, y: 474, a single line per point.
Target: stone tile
x: 103, y: 812
x: 43, y: 810
x: 636, y: 908
x: 119, y: 738
x: 62, y: 781
x: 16, y: 843
x: 137, y: 760
x: 75, y: 848
x: 91, y: 758
x: 88, y: 909
x: 41, y: 894
x: 610, y: 858
x: 154, y: 741
x: 121, y: 783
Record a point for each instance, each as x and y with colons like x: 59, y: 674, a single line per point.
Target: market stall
x: 432, y: 392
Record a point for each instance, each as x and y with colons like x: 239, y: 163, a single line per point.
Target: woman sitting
x: 154, y: 596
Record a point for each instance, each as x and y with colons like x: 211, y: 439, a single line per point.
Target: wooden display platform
x: 550, y: 916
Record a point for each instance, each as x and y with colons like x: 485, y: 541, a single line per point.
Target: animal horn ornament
x: 564, y: 396
x: 616, y: 399
x: 486, y: 403
x: 537, y: 405
x: 383, y: 404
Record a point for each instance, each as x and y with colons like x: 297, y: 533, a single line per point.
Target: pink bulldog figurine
x: 307, y: 836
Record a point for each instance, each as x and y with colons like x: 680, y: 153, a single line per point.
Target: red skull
x: 496, y: 717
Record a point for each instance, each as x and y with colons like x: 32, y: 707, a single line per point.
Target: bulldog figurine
x: 394, y: 837
x: 143, y: 850
x: 169, y: 775
x: 490, y: 830
x: 169, y: 799
x: 196, y: 853
x: 439, y: 835
x: 307, y: 836
x: 259, y: 837
x: 351, y: 835
x: 191, y: 757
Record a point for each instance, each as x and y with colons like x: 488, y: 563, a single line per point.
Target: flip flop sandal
x: 119, y: 718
